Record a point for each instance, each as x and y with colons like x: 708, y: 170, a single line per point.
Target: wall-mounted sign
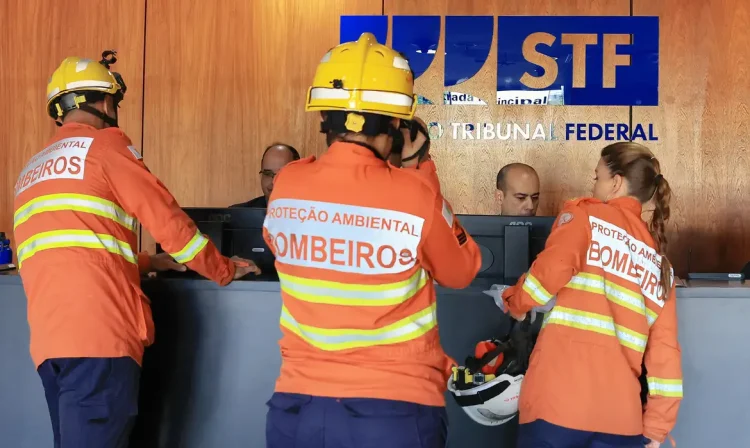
x: 520, y: 131
x: 541, y: 60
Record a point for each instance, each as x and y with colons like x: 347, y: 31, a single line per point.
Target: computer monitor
x: 509, y: 244
x: 237, y: 231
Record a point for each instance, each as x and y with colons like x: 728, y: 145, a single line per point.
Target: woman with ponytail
x: 614, y: 311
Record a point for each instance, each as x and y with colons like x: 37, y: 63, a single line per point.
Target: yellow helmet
x: 82, y: 75
x: 363, y: 76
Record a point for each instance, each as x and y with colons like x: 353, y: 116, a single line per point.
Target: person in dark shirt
x: 274, y: 158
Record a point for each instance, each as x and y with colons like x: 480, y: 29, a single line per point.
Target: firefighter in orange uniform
x: 615, y: 310
x: 358, y: 244
x: 76, y: 206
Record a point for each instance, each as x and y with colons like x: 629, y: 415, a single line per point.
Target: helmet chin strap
x: 112, y: 122
x: 415, y: 127
x: 73, y: 101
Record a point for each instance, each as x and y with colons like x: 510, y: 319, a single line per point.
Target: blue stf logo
x: 578, y: 61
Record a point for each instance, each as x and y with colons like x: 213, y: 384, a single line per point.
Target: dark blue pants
x: 93, y: 402
x: 542, y: 434
x: 304, y: 421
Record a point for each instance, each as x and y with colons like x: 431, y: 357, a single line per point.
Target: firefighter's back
x: 358, y: 243
x: 359, y: 315
x: 599, y: 328
x: 77, y: 252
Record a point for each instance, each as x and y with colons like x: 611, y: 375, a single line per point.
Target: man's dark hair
x: 331, y: 137
x: 290, y: 148
x: 503, y: 173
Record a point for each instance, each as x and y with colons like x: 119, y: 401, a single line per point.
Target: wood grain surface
x: 36, y: 36
x: 213, y: 83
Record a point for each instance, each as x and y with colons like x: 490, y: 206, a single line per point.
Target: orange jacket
x: 601, y: 264
x: 358, y: 244
x: 76, y: 205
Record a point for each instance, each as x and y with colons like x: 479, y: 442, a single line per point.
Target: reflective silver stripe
x: 597, y: 323
x: 191, y: 249
x: 346, y: 294
x: 74, y: 202
x: 664, y: 387
x: 370, y: 96
x: 534, y: 288
x: 334, y: 339
x: 73, y: 238
x: 88, y: 83
x: 391, y: 98
x: 613, y: 292
x: 81, y: 84
x: 631, y: 339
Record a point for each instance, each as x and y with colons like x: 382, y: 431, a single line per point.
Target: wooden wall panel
x: 226, y: 79
x: 36, y: 36
x: 468, y: 168
x: 702, y: 118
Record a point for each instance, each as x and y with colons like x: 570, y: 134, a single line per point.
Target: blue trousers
x: 542, y: 434
x: 304, y: 421
x: 93, y: 402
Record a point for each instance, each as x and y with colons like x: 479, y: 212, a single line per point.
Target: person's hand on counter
x: 242, y: 267
x: 164, y: 262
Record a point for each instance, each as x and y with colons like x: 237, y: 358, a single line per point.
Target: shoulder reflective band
x: 473, y: 397
x: 615, y: 293
x: 664, y: 387
x: 535, y: 289
x: 596, y: 323
x: 191, y: 249
x: 74, y: 202
x: 334, y: 339
x: 349, y: 294
x: 73, y: 238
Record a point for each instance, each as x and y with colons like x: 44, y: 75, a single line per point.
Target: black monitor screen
x: 508, y: 244
x: 237, y: 231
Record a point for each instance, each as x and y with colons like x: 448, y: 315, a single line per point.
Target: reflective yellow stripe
x: 77, y: 203
x: 73, y: 238
x: 664, y: 387
x: 615, y: 293
x: 191, y: 249
x: 334, y: 339
x: 535, y: 289
x: 346, y: 294
x: 651, y: 316
x: 597, y: 323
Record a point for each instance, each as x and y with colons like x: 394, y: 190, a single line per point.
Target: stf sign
x: 579, y: 61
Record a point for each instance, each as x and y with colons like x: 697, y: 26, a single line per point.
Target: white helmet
x: 490, y: 403
x: 488, y: 387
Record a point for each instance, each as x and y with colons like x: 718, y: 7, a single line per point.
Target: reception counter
x: 213, y: 366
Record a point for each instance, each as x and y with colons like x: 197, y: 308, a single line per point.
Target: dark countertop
x: 216, y: 357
